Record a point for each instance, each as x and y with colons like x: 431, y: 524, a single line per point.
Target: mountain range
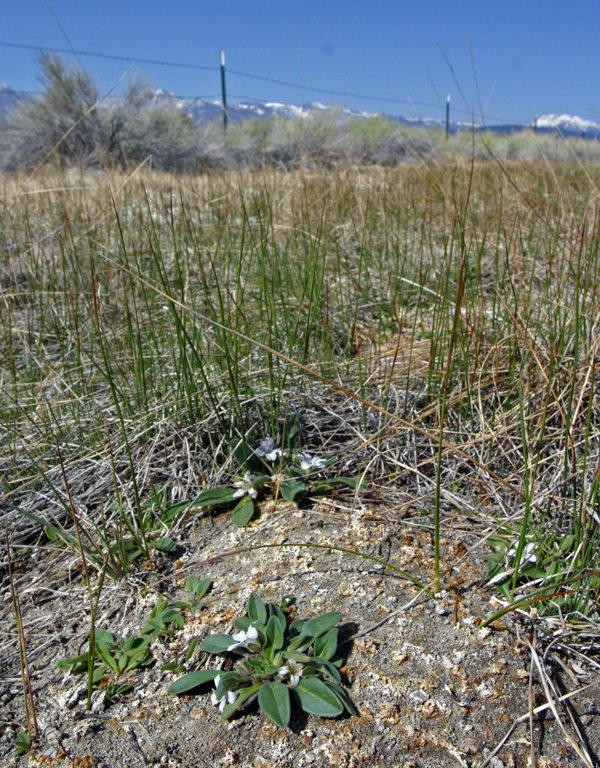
x: 206, y: 110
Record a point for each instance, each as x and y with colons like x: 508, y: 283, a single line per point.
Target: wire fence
x: 299, y: 86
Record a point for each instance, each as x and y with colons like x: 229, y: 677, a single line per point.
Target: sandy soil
x: 430, y: 687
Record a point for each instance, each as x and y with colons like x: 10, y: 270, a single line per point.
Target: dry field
x: 431, y: 329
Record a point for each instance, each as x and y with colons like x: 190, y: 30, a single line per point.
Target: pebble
x: 441, y: 610
x: 98, y: 705
x: 419, y: 696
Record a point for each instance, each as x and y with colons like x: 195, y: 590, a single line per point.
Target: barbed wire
x: 137, y: 60
x: 238, y: 73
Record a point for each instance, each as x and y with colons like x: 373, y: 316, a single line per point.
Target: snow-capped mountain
x: 569, y: 124
x: 206, y: 110
x: 201, y: 110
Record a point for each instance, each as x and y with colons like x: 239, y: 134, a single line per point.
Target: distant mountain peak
x: 206, y: 110
x: 570, y: 123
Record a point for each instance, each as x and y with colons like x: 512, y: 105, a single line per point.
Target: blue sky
x: 544, y: 56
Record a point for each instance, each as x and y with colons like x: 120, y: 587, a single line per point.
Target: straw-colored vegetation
x: 433, y: 327
x: 449, y: 296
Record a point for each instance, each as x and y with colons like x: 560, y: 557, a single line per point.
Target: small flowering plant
x: 294, y: 475
x: 279, y: 663
x: 502, y: 564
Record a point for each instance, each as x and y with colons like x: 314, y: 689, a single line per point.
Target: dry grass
x: 434, y: 291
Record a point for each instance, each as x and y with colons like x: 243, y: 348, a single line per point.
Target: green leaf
x: 60, y: 532
x: 107, y: 658
x: 310, y: 672
x: 243, y: 511
x: 242, y: 624
x: 274, y: 635
x: 313, y: 696
x: 193, y: 680
x: 169, y: 615
x: 135, y: 645
x: 274, y: 700
x: 191, y: 649
x: 243, y: 694
x: 51, y: 534
x: 326, y: 667
x: 170, y: 512
x: 292, y: 472
x: 318, y: 625
x: 99, y: 674
x: 72, y: 661
x: 301, y: 657
x: 203, y: 588
x: 166, y: 544
x: 256, y: 609
x: 326, y: 645
x: 567, y: 543
x: 275, y: 611
x: 246, y: 458
x: 160, y: 606
x: 495, y: 565
x: 341, y: 694
x: 313, y: 629
x: 217, y: 643
x: 290, y: 437
x: 219, y: 495
x: 293, y: 490
x: 102, y: 636
x: 296, y: 627
x: 141, y: 659
x: 22, y: 745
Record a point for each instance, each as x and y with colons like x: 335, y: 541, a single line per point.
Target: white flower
x: 527, y: 555
x: 312, y: 462
x: 245, y: 486
x: 243, y: 639
x: 293, y: 669
x: 268, y: 451
x: 226, y: 698
x: 265, y: 448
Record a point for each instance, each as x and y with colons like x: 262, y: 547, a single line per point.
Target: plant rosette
x: 279, y: 663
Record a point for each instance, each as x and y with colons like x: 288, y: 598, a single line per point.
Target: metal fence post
x: 223, y: 91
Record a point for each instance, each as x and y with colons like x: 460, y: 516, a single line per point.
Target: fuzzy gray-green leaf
x: 243, y: 512
x: 274, y: 700
x: 326, y: 645
x: 217, y: 643
x: 257, y: 610
x: 193, y: 680
x: 314, y: 697
x: 219, y: 495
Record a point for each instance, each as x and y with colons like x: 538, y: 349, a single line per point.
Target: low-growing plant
x: 285, y: 470
x: 546, y: 567
x: 118, y: 657
x: 22, y: 744
x: 280, y: 662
